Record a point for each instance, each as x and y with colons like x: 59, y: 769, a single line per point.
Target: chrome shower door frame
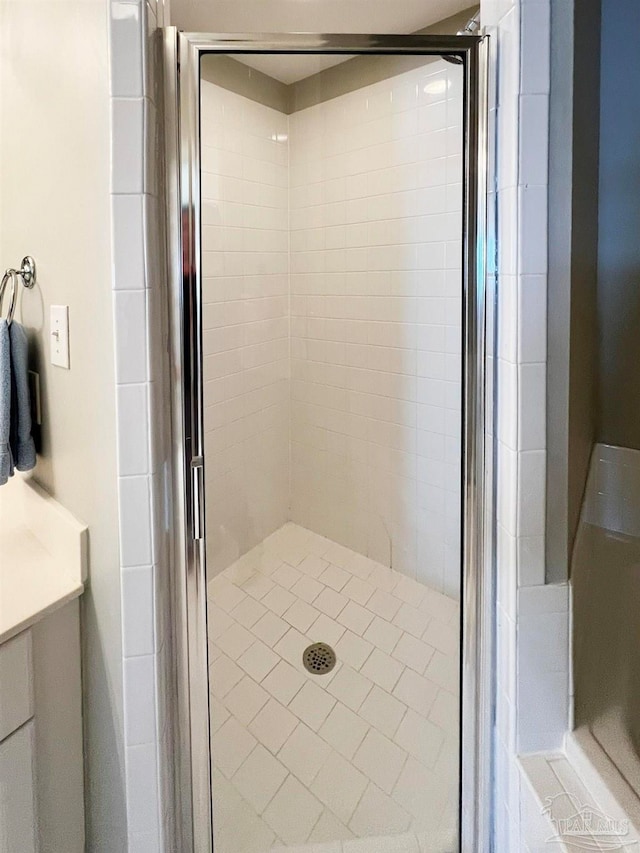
x: 182, y: 88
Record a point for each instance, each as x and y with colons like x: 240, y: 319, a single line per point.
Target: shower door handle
x: 197, y: 495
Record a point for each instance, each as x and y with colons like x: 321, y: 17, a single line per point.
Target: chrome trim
x: 477, y: 495
x: 479, y: 506
x: 429, y: 45
x: 193, y: 764
x: 472, y: 26
x: 197, y: 485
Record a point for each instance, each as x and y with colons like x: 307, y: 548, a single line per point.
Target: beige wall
x: 54, y: 175
x: 312, y: 16
x: 583, y: 369
x: 572, y: 341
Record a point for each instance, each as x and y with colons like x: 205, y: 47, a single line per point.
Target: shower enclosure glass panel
x: 328, y: 325
x: 331, y: 318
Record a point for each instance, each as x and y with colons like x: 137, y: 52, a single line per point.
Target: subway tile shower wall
x: 376, y: 252
x: 332, y: 321
x: 245, y: 292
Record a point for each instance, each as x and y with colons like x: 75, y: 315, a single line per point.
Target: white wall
x: 54, y: 205
x: 245, y: 267
x: 376, y: 312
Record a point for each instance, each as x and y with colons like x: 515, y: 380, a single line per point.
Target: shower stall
x: 330, y: 327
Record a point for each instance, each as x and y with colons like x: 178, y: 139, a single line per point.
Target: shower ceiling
x: 318, y: 16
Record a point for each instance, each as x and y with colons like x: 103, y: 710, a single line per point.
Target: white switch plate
x: 60, y: 335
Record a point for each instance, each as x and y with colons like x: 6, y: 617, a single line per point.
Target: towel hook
x: 27, y: 274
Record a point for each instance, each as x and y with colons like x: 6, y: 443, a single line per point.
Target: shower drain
x: 319, y: 658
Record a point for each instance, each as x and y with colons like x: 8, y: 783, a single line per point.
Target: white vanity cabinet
x: 17, y: 784
x: 41, y: 765
x: 18, y: 822
x: 16, y: 684
x: 42, y: 572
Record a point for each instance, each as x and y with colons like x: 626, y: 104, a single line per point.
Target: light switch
x: 60, y: 335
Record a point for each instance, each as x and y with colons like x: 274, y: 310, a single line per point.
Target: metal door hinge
x: 197, y: 492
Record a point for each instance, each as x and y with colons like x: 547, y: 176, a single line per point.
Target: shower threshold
x: 363, y: 757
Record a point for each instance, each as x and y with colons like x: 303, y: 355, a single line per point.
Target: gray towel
x: 22, y: 446
x: 6, y: 463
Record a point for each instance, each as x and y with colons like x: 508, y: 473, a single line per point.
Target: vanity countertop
x: 43, y: 555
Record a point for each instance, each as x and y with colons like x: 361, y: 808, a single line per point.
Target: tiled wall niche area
x: 332, y: 309
x: 245, y: 267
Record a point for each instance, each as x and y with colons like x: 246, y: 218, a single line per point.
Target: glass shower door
x: 336, y: 344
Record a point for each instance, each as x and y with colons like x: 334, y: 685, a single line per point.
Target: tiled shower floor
x: 369, y: 750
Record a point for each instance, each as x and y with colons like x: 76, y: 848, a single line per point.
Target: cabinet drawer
x: 16, y: 683
x: 17, y: 794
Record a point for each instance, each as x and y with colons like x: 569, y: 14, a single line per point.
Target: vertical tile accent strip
x: 139, y: 314
x: 520, y: 34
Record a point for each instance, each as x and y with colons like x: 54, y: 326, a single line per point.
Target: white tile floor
x: 370, y: 750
